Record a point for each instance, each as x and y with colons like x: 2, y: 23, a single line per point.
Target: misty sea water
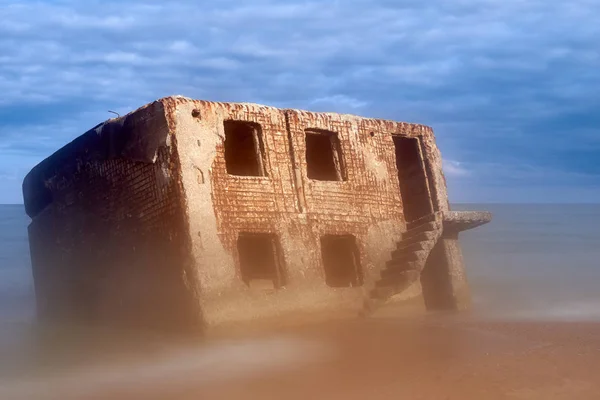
x: 532, y: 262
x: 535, y: 261
x: 17, y: 300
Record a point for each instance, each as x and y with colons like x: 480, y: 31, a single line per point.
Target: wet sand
x: 434, y: 357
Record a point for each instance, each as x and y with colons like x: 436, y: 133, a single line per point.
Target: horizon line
x: 454, y: 203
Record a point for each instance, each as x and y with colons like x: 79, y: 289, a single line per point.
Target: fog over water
x: 531, y: 263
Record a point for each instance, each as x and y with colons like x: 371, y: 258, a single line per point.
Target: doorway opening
x: 414, y: 190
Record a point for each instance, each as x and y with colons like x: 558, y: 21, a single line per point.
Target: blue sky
x: 511, y: 87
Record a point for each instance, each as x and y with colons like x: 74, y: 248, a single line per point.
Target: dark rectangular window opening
x: 341, y: 261
x: 324, y: 160
x: 261, y: 261
x: 244, y: 148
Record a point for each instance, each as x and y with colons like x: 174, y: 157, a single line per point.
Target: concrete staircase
x: 408, y: 260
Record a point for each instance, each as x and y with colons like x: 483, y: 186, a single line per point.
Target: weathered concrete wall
x: 107, y: 235
x: 137, y: 220
x: 297, y: 209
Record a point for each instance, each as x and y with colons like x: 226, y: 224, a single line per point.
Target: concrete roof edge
x: 295, y: 110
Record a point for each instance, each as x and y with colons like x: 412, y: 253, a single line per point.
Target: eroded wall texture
x: 286, y: 203
x: 137, y: 221
x: 108, y: 238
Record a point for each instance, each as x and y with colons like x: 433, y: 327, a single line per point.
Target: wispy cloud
x: 338, y: 102
x: 498, y: 80
x: 455, y: 168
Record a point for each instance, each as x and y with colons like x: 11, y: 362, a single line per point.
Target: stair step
x: 400, y: 278
x: 382, y: 292
x: 420, y: 221
x: 410, y: 247
x: 405, y: 257
x: 407, y: 260
x: 387, y: 289
x: 426, y: 227
x: 416, y: 237
x: 407, y: 266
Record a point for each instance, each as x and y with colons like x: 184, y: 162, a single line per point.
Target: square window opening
x: 261, y: 261
x: 324, y: 156
x: 244, y: 148
x: 341, y: 261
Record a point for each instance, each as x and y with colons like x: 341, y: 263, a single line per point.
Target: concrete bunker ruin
x: 188, y: 214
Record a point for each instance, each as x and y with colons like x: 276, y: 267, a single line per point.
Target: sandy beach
x: 435, y: 357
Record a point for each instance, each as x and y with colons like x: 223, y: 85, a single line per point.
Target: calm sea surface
x: 535, y: 261
x: 531, y: 262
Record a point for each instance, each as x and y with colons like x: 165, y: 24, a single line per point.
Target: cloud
x: 501, y: 82
x: 338, y: 101
x: 454, y: 168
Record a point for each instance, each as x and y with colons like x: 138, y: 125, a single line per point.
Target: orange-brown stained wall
x: 298, y: 210
x: 141, y: 213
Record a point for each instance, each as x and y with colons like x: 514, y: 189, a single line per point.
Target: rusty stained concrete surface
x: 219, y: 206
x: 211, y: 207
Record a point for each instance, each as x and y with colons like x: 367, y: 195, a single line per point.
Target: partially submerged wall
x: 107, y: 236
